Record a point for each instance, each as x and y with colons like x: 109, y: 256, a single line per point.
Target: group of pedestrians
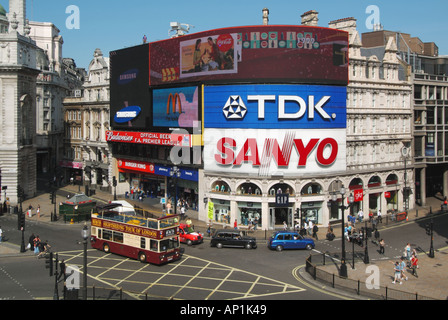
x: 39, y: 247
x: 408, y: 260
x: 307, y: 228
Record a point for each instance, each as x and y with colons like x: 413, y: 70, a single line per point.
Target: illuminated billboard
x: 275, y: 106
x: 268, y: 152
x: 130, y: 105
x: 301, y: 54
x: 176, y: 107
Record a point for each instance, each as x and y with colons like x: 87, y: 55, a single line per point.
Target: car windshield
x: 189, y: 229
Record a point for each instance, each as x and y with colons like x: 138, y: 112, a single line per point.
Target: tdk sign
x: 275, y: 106
x: 127, y: 114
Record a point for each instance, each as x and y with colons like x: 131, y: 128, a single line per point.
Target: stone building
x: 87, y: 157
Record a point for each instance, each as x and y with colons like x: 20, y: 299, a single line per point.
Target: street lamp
x: 85, y: 235
x: 366, y: 252
x: 175, y: 174
x: 343, y: 270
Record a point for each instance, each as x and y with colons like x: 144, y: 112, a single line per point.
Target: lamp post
x: 431, y: 248
x: 175, y: 174
x: 366, y: 251
x: 343, y: 270
x: 85, y: 235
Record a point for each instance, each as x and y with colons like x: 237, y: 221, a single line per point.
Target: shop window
x: 311, y: 189
x: 356, y: 184
x: 374, y: 182
x: 281, y: 188
x: 220, y: 186
x: 392, y: 179
x: 249, y: 189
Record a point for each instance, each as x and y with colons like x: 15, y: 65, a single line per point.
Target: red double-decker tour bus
x: 146, y: 239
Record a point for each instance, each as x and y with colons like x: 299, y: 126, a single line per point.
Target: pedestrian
x: 305, y: 227
x: 36, y: 242
x: 285, y: 226
x: 397, y: 272
x: 407, y: 252
x: 315, y: 229
x: 38, y: 211
x: 403, y: 268
x: 182, y: 212
x: 31, y: 242
x: 370, y: 216
x: 1, y: 232
x: 360, y: 215
x: 379, y: 216
x: 235, y: 224
x: 310, y: 227
x: 30, y: 214
x: 414, y: 265
x: 382, y: 244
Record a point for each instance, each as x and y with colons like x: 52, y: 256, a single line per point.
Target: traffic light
x: 49, y: 263
x: 114, y: 181
x: 428, y: 229
x: 53, y: 197
x: 20, y: 220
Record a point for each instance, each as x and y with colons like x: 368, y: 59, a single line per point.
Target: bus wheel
x: 106, y: 248
x: 142, y: 257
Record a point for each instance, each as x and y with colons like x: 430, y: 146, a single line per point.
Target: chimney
x: 310, y: 18
x: 265, y: 16
x: 345, y: 24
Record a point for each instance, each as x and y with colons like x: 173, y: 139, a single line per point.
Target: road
x: 203, y: 273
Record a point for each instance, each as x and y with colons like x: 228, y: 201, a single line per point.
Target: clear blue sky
x: 115, y: 24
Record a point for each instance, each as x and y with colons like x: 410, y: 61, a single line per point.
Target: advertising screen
x: 301, y: 54
x: 129, y: 93
x: 269, y: 152
x: 275, y: 106
x: 176, y: 107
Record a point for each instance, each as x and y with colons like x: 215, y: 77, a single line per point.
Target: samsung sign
x: 127, y: 114
x: 275, y: 106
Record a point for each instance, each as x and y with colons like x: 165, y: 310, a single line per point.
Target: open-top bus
x: 153, y: 240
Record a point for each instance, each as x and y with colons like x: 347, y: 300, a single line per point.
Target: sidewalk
x: 433, y: 272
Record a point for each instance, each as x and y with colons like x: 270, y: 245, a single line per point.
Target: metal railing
x: 352, y: 286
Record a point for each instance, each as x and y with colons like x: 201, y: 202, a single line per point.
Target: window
x: 118, y: 237
x: 153, y: 245
x: 107, y: 235
x: 142, y: 243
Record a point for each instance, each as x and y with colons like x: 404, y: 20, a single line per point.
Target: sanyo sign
x: 275, y: 106
x: 266, y: 152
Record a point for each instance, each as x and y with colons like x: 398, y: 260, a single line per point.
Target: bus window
x: 153, y: 245
x: 118, y: 237
x: 142, y: 243
x: 168, y: 244
x: 107, y: 235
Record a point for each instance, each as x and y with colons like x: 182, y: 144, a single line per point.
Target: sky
x: 115, y: 24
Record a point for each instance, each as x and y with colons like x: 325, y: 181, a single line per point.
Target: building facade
x: 18, y: 74
x: 430, y: 114
x: 87, y: 158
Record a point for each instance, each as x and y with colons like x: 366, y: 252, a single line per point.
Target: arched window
x: 248, y: 188
x: 281, y: 188
x: 220, y: 186
x: 311, y: 188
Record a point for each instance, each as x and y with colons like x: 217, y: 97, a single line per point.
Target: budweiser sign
x: 154, y: 138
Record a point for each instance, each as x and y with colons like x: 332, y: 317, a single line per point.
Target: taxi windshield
x: 189, y: 229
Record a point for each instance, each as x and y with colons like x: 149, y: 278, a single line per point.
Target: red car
x: 189, y: 236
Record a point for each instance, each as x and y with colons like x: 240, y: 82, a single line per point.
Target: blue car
x: 289, y: 240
